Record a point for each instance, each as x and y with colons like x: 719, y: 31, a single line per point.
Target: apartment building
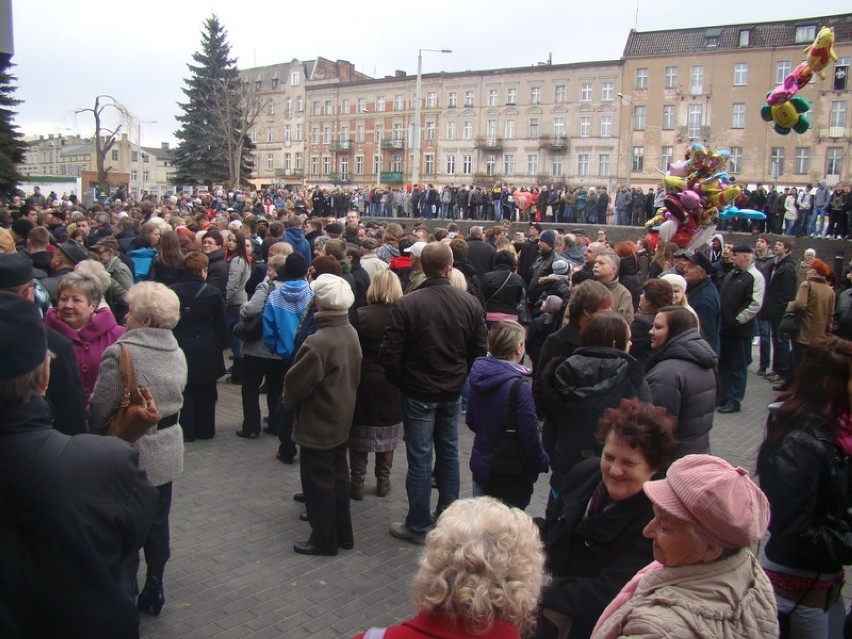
x: 709, y: 84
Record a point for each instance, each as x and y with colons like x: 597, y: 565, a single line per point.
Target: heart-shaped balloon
x: 522, y: 199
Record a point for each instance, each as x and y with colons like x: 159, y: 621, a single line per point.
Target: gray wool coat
x: 161, y: 367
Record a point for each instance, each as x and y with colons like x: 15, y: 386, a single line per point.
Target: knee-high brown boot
x: 384, y: 462
x: 357, y: 469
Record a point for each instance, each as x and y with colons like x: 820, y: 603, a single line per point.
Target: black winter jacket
x: 781, y: 288
x: 507, y: 298
x: 201, y: 331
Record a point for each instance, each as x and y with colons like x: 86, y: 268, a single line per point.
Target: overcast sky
x: 69, y: 51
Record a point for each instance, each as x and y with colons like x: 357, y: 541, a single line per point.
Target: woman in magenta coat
x: 78, y: 317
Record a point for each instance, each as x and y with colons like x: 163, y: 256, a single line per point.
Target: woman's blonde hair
x: 90, y: 278
x: 483, y: 562
x: 385, y: 288
x: 504, y: 337
x: 458, y: 279
x: 281, y: 248
x: 154, y: 301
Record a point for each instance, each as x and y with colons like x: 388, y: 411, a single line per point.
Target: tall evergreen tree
x: 12, y: 145
x: 211, y: 130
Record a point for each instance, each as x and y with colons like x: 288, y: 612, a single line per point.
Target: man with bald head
x: 434, y: 335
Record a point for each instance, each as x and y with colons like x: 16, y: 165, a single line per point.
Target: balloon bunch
x: 783, y: 106
x: 697, y: 189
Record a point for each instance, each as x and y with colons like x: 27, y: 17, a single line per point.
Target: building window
x: 776, y: 161
x: 837, y: 115
x: 253, y: 135
x: 328, y: 108
x: 556, y: 166
x: 326, y: 164
x: 467, y: 164
x: 668, y: 117
x: 532, y: 163
x: 695, y: 118
x: 782, y: 70
x: 452, y: 97
x: 559, y: 94
x: 377, y: 164
x: 559, y: 126
x: 300, y: 104
x: 585, y: 126
x: 509, y: 129
x: 642, y: 78
x: 359, y: 165
x: 491, y: 129
x: 607, y: 91
x: 606, y: 126
x: 300, y: 161
x: 432, y: 100
x: 270, y: 161
x: 745, y: 37
x: 468, y: 98
x: 288, y: 133
x: 805, y: 34
x: 397, y: 103
x: 380, y: 104
x: 326, y: 135
x: 344, y: 168
x: 288, y: 161
x: 603, y: 165
x: 451, y: 164
x: 451, y: 130
x: 666, y: 157
x: 314, y: 165
x: 738, y: 115
x: 378, y: 132
x: 511, y: 96
x: 490, y: 164
x: 430, y: 130
x: 833, y: 160
x: 300, y: 132
x: 586, y: 92
x: 270, y: 134
x: 492, y: 97
x: 429, y: 163
x: 115, y: 156
x: 359, y: 133
x: 362, y: 105
x: 467, y: 130
x: 533, y: 127
x: 740, y: 74
x: 638, y: 159
x: 397, y: 131
x: 535, y: 95
x: 841, y: 74
x: 134, y: 156
x: 345, y: 105
x: 639, y: 118
x: 671, y: 78
x: 802, y: 165
x: 696, y: 80
x: 583, y: 164
x: 315, y: 135
x: 134, y: 175
x: 315, y: 107
x: 508, y: 164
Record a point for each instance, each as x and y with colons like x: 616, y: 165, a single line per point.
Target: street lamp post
x: 415, y: 146
x: 625, y: 98
x: 141, y: 176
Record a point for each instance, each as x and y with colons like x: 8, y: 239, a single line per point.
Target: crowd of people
x: 600, y: 365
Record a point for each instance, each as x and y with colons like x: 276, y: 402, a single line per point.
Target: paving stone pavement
x: 233, y: 572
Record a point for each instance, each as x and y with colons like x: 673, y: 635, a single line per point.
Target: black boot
x: 151, y: 599
x: 237, y: 372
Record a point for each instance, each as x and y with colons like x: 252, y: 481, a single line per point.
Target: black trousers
x: 254, y: 370
x: 325, y: 482
x: 198, y: 414
x: 157, y: 551
x: 283, y: 424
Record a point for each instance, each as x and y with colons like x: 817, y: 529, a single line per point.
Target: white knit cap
x: 333, y: 293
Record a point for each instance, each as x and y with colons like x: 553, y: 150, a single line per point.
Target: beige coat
x: 622, y: 300
x: 726, y: 599
x: 816, y: 297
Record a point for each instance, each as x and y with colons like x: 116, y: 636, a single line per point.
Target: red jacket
x: 428, y: 626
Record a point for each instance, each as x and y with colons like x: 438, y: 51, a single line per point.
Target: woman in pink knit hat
x: 705, y: 581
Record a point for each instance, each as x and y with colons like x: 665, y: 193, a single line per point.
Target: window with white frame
x: 509, y: 129
x: 288, y: 160
x: 288, y: 107
x: 559, y: 93
x: 315, y: 107
x: 585, y: 126
x: 607, y: 91
x: 638, y: 118
x: 603, y: 164
x: 270, y: 107
x: 362, y: 105
x: 380, y: 104
x: 490, y: 164
x: 745, y: 38
x: 782, y: 70
x: 508, y: 164
x: 696, y: 79
x: 300, y: 132
x: 377, y: 164
x: 431, y: 99
x: 300, y: 104
x: 378, y: 132
x: 805, y: 34
x: 397, y: 102
x: 134, y: 175
x: 468, y: 98
x: 586, y: 92
x: 360, y: 135
x: 694, y: 120
x: 451, y: 164
x: 430, y: 130
x: 315, y: 135
x: 837, y: 114
x: 328, y: 107
x: 535, y: 95
x: 288, y: 133
x: 396, y: 163
x: 492, y: 97
x: 491, y: 129
x: 802, y: 163
x: 511, y: 96
x: 326, y: 135
x: 294, y: 78
x: 776, y: 161
x: 451, y: 130
x: 359, y: 165
x: 583, y: 164
x: 270, y: 134
x: 326, y: 164
x: 559, y: 126
x: 668, y: 117
x: 452, y: 99
x: 556, y: 166
x: 641, y: 78
x: 666, y: 157
x: 345, y: 105
x: 314, y: 164
x: 738, y: 115
x: 532, y: 163
x: 467, y: 164
x: 606, y: 126
x: 467, y: 130
x: 300, y: 161
x: 344, y: 167
x: 741, y: 74
x: 534, y: 129
x: 397, y: 131
x: 429, y: 163
x: 270, y: 161
x: 671, y: 78
x: 638, y: 159
x: 833, y: 160
x: 252, y: 136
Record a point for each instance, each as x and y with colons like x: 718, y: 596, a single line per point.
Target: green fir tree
x: 12, y: 146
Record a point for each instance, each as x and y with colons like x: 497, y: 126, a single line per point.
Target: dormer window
x: 805, y: 34
x: 745, y: 38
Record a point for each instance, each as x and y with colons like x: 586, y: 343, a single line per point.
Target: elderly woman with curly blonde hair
x: 480, y: 575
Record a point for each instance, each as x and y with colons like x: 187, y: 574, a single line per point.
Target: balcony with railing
x: 341, y: 145
x: 395, y: 143
x: 489, y: 144
x: 340, y: 176
x: 553, y: 142
x: 289, y: 172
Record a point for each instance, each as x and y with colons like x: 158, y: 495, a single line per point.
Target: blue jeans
x: 429, y: 425
x: 498, y: 210
x: 734, y: 355
x: 622, y: 218
x: 813, y: 623
x: 803, y: 223
x: 790, y: 227
x: 374, y: 209
x: 763, y: 332
x: 819, y: 220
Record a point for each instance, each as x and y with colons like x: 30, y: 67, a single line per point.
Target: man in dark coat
x: 703, y: 296
x: 73, y: 510
x: 781, y: 288
x: 480, y: 253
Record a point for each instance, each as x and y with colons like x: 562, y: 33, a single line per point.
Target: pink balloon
x: 679, y: 169
x: 690, y: 199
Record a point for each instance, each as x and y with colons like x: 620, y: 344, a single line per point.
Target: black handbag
x: 791, y: 323
x: 250, y: 329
